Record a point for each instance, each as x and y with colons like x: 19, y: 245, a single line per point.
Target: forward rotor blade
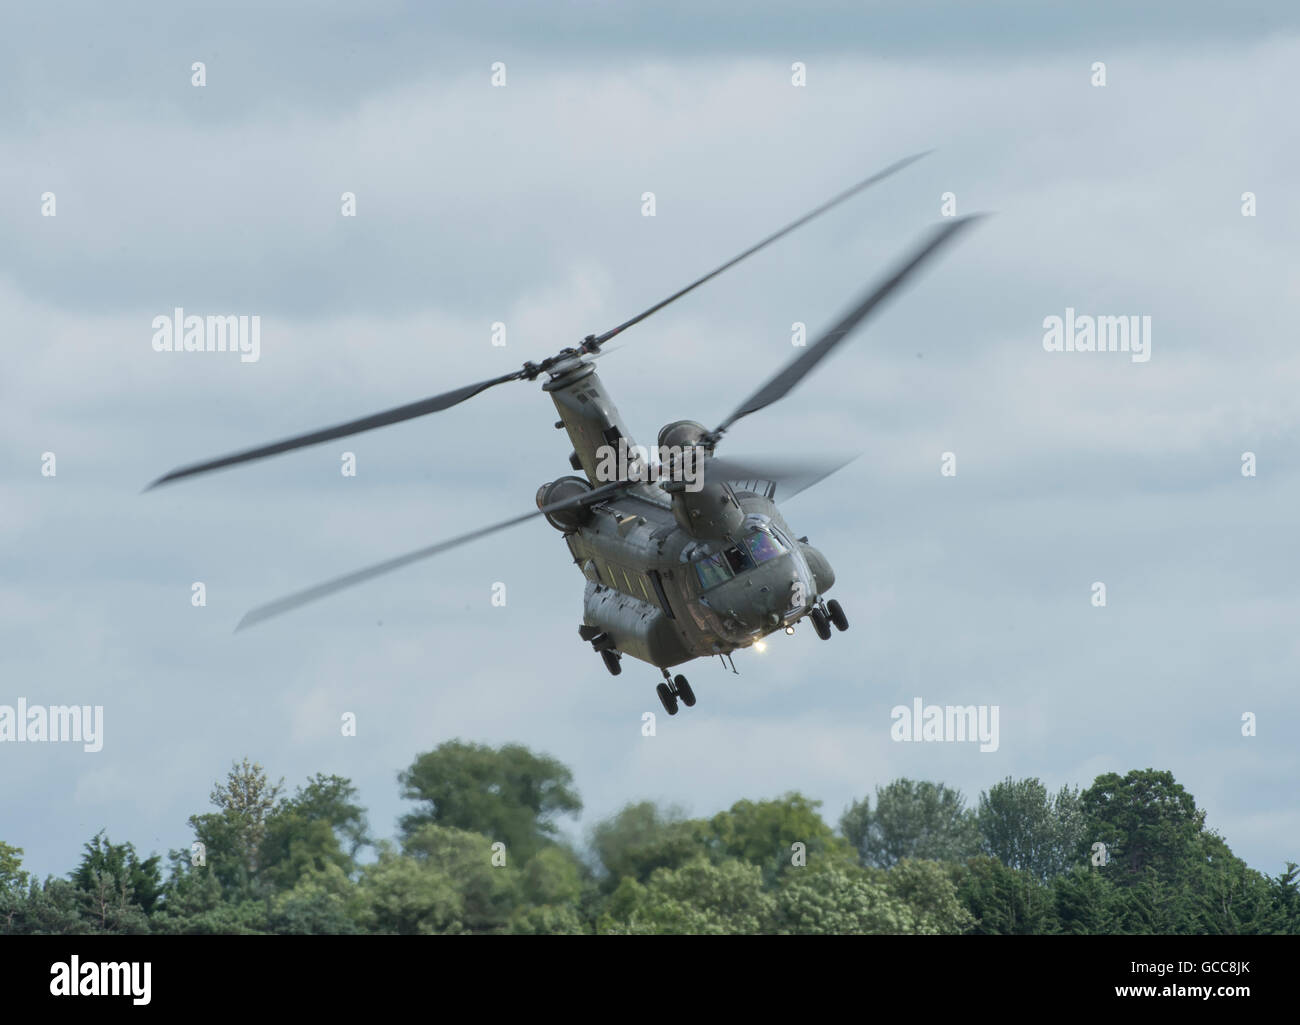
x: 367, y: 423
x: 790, y: 475
x: 846, y: 194
x: 329, y: 587
x: 795, y: 371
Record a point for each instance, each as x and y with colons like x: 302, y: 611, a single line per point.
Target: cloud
x: 522, y: 205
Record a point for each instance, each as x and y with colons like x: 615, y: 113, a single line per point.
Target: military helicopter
x: 686, y: 555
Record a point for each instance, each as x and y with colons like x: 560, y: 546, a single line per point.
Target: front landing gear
x: 820, y: 623
x: 672, y: 690
x: 824, y: 615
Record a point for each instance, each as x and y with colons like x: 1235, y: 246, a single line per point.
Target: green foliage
x: 642, y: 838
x: 764, y: 833
x: 1086, y: 903
x: 483, y: 856
x: 1146, y: 819
x: 927, y: 888
x: 108, y: 866
x: 508, y: 794
x: 700, y: 898
x: 1004, y: 901
x: 12, y: 877
x: 233, y: 834
x: 838, y: 899
x: 911, y: 820
x: 1025, y: 828
x: 318, y: 828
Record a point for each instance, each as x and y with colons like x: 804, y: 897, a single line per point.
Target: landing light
x: 760, y: 646
x: 789, y: 629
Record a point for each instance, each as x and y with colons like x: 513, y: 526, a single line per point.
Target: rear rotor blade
x: 599, y: 340
x: 366, y: 423
x: 795, y: 371
x: 790, y: 475
x: 311, y: 594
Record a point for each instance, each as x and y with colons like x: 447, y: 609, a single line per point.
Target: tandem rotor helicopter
x: 686, y: 556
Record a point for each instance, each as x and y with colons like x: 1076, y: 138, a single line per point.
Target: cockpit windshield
x: 756, y: 547
x: 763, y: 546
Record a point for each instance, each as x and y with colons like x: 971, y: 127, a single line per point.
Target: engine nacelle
x: 570, y: 519
x: 710, y: 511
x: 681, y: 434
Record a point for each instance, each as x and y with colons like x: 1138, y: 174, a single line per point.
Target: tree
x: 320, y: 826
x: 838, y: 899
x: 1004, y: 901
x: 1227, y: 897
x: 1147, y: 819
x: 1026, y: 828
x: 510, y: 795
x: 403, y: 895
x: 106, y: 866
x: 52, y: 908
x: 764, y: 833
x: 1286, y: 899
x: 233, y: 835
x: 699, y: 898
x: 1086, y: 903
x: 911, y: 819
x: 927, y: 888
x: 643, y: 837
x: 487, y: 890
x: 12, y: 877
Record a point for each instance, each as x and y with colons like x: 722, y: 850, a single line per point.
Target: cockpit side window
x: 738, y: 559
x: 712, y: 570
x: 763, y: 546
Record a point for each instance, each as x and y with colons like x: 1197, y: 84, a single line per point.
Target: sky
x: 522, y: 205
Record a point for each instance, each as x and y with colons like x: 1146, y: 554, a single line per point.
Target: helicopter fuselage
x: 674, y: 573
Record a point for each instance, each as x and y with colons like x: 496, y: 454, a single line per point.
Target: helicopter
x: 685, y: 553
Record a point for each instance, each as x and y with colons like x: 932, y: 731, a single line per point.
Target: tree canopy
x: 482, y: 852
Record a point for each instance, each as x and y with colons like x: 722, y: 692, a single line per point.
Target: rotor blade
x: 366, y: 423
x: 847, y: 193
x: 329, y: 587
x: 795, y: 371
x: 791, y: 475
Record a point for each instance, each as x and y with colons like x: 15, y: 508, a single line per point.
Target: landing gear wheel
x: 612, y: 662
x: 820, y: 623
x: 684, y: 691
x: 838, y: 617
x: 666, y: 697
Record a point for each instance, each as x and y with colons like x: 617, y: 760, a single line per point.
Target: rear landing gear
x: 674, y: 689
x: 612, y: 662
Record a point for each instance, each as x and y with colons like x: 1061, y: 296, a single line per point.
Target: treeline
x: 481, y: 853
